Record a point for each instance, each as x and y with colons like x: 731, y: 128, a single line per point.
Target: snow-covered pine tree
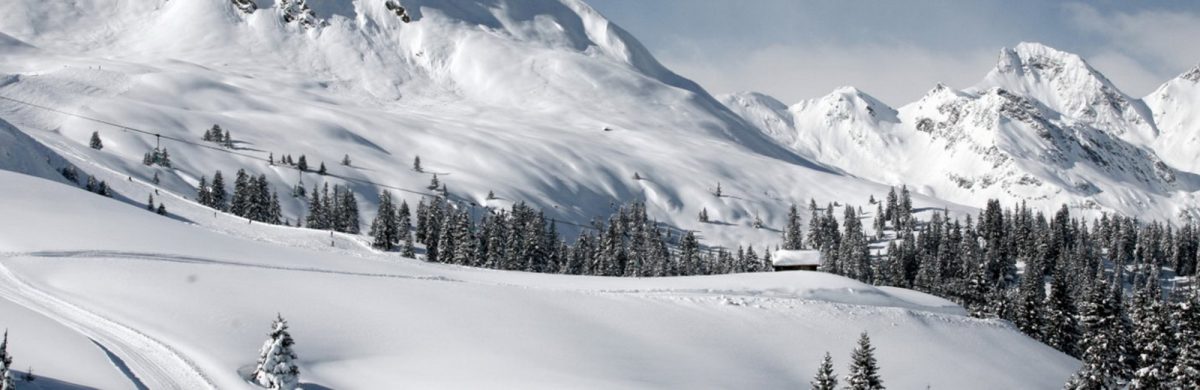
x: 718, y: 191
x: 793, y: 238
x: 346, y: 160
x: 892, y: 203
x: 1031, y: 295
x: 417, y: 164
x: 70, y: 173
x: 864, y: 370
x: 316, y: 211
x: 1061, y: 328
x: 302, y: 165
x: 227, y: 140
x: 880, y: 221
x: 203, y: 193
x: 1101, y: 360
x: 150, y: 203
x: 703, y: 215
x: 276, y: 368
x: 384, y: 228
x: 6, y: 380
x: 1155, y: 341
x: 155, y: 178
x: 219, y: 196
x: 433, y: 183
x: 241, y: 194
x: 825, y: 379
x: 161, y: 210
x: 95, y: 142
x: 274, y: 212
x: 348, y: 219
x: 1186, y: 316
x: 103, y: 189
x: 321, y: 170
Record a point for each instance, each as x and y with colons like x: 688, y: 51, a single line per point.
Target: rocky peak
x: 1192, y: 75
x: 246, y: 6
x: 299, y: 12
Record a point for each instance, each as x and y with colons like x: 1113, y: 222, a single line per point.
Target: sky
x: 898, y: 50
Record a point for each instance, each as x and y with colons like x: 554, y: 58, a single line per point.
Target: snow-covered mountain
x: 1175, y: 107
x: 542, y: 101
x: 1043, y: 127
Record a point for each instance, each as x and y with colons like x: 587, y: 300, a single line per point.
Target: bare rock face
x: 299, y: 12
x: 247, y: 6
x: 395, y: 7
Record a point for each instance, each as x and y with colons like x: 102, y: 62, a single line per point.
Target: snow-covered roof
x: 796, y: 257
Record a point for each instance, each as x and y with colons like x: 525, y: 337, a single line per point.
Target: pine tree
x: 321, y: 170
x: 71, y: 174
x: 150, y: 203
x: 384, y: 228
x: 275, y: 214
x: 792, y: 237
x: 302, y: 165
x: 316, y: 211
x: 95, y: 142
x: 103, y: 189
x: 219, y: 196
x: 718, y: 192
x: 417, y: 164
x: 864, y: 371
x: 276, y: 368
x: 155, y: 178
x: 1061, y: 328
x: 346, y: 160
x: 240, y: 204
x: 1031, y: 295
x: 825, y: 379
x: 162, y: 209
x: 433, y: 183
x: 228, y: 140
x: 1155, y: 341
x: 1101, y: 356
x: 6, y: 380
x: 1186, y: 316
x: 203, y: 193
x: 704, y: 215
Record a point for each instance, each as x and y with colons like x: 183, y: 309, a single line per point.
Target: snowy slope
x: 1042, y: 127
x: 20, y: 153
x: 362, y: 320
x: 540, y: 101
x: 1174, y: 105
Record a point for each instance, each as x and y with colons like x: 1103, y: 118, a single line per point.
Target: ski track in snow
x: 154, y: 364
x: 101, y: 254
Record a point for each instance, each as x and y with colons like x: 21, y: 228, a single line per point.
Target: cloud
x: 897, y: 74
x: 1162, y: 42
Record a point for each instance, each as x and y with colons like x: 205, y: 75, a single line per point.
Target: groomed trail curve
x: 153, y: 364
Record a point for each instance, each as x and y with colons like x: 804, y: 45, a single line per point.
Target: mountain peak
x: 1036, y: 58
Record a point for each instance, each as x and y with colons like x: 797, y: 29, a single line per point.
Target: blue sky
x: 895, y: 50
